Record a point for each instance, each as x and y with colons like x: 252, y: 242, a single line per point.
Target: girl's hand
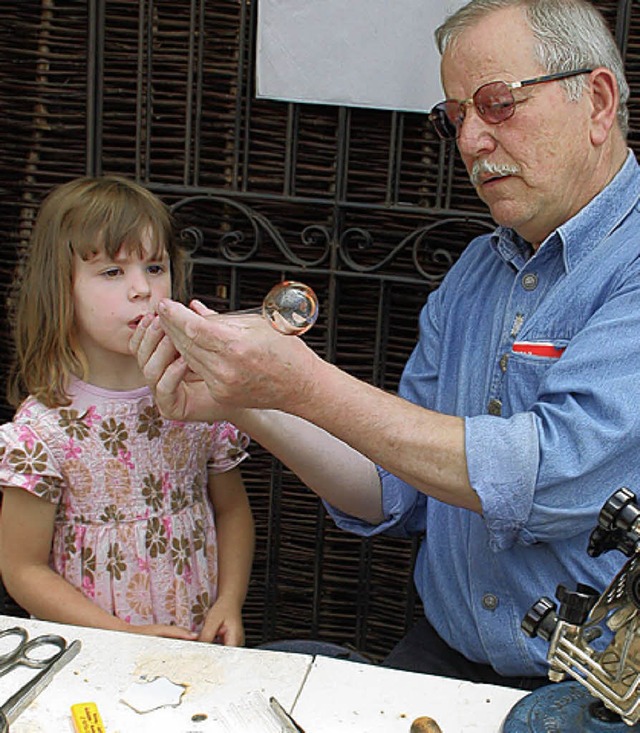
x: 223, y: 625
x: 168, y: 631
x: 179, y: 393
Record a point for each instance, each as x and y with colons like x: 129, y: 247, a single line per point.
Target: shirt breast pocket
x: 529, y: 364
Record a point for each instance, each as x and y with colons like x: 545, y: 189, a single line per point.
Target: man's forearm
x: 331, y: 468
x: 424, y: 448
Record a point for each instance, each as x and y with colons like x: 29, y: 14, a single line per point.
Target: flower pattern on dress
x: 70, y: 540
x: 177, y: 602
x: 150, y: 422
x: 199, y: 535
x: 73, y: 450
x: 88, y: 560
x: 117, y: 479
x: 113, y: 434
x: 30, y: 460
x: 199, y: 488
x: 236, y: 447
x: 156, y: 538
x: 115, y: 561
x: 112, y: 513
x: 91, y: 416
x: 152, y: 492
x: 180, y: 554
x: 138, y: 594
x: 27, y: 436
x: 46, y: 487
x: 179, y: 500
x: 134, y: 527
x: 200, y: 608
x: 79, y: 478
x: 176, y: 448
x: 73, y: 425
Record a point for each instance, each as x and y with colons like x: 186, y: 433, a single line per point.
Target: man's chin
x: 503, y: 212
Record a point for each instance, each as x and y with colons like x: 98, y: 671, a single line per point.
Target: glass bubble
x: 291, y: 307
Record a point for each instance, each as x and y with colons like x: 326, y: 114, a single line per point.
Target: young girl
x: 112, y: 516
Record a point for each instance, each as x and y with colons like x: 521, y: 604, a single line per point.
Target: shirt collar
x: 586, y: 229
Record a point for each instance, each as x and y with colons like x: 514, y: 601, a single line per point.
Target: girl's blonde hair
x: 84, y: 217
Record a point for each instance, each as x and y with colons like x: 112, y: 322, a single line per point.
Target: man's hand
x: 242, y: 359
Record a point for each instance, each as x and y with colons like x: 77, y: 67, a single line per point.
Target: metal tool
x: 604, y: 694
x: 24, y: 654
x: 290, y: 725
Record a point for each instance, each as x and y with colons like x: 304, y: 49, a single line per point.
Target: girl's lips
x: 133, y: 324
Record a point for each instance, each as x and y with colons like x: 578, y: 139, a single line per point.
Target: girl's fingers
x: 171, y: 377
x: 146, y: 337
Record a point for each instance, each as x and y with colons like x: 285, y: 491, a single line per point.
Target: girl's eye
x: 156, y: 269
x: 111, y: 272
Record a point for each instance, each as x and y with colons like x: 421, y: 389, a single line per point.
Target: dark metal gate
x: 366, y: 206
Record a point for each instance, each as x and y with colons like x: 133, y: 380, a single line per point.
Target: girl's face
x: 110, y: 296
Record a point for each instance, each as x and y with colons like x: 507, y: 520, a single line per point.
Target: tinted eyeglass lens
x: 446, y: 118
x: 494, y: 102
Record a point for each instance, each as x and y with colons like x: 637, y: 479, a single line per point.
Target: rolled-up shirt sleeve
x: 402, y: 506
x: 504, y: 476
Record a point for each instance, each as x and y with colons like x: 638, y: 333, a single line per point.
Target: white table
x: 225, y: 689
x: 216, y: 678
x: 346, y: 696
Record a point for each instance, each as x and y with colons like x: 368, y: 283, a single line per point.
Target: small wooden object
x: 424, y: 724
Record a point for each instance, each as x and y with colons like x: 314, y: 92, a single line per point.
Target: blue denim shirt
x: 540, y: 353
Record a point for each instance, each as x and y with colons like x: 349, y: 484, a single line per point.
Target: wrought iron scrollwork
x: 191, y: 238
x: 317, y: 235
x: 236, y: 245
x: 423, y: 251
x: 430, y: 261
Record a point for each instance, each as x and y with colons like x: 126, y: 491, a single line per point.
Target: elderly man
x: 517, y: 413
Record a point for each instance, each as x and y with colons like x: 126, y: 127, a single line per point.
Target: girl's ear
x: 604, y: 97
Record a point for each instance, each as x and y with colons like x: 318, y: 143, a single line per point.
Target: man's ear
x: 603, y: 90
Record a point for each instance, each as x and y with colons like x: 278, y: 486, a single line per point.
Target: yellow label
x: 86, y: 718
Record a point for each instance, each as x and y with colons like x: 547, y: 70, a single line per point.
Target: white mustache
x: 483, y: 168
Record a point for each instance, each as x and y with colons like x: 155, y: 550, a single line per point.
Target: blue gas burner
x: 567, y: 707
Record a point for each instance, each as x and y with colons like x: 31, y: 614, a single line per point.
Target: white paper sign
x: 362, y: 53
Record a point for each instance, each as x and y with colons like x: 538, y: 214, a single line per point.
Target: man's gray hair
x: 571, y: 34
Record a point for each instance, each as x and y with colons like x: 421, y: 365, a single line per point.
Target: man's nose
x: 475, y: 135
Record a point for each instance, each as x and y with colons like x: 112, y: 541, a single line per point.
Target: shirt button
x: 495, y: 407
x: 503, y: 362
x: 489, y: 602
x: 530, y: 281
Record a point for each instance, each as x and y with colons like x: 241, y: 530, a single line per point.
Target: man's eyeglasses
x: 494, y: 102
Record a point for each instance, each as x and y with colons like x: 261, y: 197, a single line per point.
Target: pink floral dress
x: 134, y: 529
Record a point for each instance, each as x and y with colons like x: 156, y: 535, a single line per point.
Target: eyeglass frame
x: 464, y: 103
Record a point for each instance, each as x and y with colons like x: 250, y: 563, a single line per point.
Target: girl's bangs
x: 111, y: 236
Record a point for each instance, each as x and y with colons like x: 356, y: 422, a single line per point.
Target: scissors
x: 24, y: 654
x: 290, y: 725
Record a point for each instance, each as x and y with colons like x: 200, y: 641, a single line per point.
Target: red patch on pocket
x: 539, y: 348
